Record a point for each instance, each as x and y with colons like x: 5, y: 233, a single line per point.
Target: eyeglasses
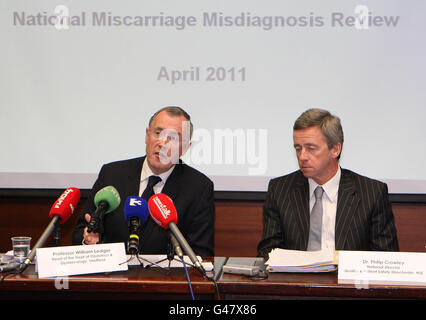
x: 168, y: 135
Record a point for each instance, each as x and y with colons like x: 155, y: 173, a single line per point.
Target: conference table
x: 162, y: 284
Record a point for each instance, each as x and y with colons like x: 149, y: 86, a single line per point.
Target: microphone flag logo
x: 135, y: 202
x: 163, y: 208
x: 63, y: 197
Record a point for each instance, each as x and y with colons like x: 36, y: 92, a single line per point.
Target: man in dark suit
x: 167, y: 138
x: 321, y: 205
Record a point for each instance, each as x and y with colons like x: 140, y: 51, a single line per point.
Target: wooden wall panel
x: 30, y: 217
x: 238, y: 224
x: 410, y: 222
x: 238, y: 228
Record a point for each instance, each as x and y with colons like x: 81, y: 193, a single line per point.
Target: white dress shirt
x: 146, y: 173
x: 329, y: 207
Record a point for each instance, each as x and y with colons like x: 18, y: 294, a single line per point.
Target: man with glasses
x: 167, y: 139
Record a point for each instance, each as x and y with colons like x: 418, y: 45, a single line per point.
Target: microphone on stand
x: 136, y: 213
x: 176, y: 246
x: 60, y: 212
x: 163, y: 212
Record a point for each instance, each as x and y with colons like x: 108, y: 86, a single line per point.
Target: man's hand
x: 89, y: 237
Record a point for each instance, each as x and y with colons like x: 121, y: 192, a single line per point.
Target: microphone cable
x: 15, y: 271
x: 215, y: 285
x: 189, y: 279
x: 212, y: 279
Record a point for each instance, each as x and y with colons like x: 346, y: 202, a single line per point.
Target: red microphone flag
x: 65, y: 205
x: 162, y: 210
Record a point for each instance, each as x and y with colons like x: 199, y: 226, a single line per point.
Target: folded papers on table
x: 282, y: 260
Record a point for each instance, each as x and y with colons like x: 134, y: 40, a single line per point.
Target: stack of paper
x: 281, y: 260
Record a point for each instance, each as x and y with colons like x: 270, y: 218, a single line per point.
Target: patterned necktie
x: 149, y: 190
x: 314, y: 243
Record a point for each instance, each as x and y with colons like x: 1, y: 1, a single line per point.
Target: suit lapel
x: 347, y: 204
x: 300, y: 208
x: 132, y: 184
x: 173, y: 183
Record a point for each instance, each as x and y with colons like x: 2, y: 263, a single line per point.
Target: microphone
x: 106, y: 200
x: 163, y: 212
x: 176, y: 245
x: 136, y: 213
x: 9, y: 266
x: 60, y: 212
x: 170, y: 251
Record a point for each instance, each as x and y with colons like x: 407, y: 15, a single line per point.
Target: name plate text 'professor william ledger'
x: 84, y: 259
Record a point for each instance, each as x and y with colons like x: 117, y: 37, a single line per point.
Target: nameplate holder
x: 74, y: 260
x: 363, y: 268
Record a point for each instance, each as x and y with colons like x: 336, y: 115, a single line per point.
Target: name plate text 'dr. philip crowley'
x: 382, y: 268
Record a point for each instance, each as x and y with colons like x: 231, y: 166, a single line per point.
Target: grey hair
x: 329, y: 124
x: 174, y: 111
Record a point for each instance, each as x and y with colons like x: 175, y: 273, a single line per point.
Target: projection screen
x: 80, y: 79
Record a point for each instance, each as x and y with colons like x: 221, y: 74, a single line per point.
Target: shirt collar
x: 331, y: 187
x: 146, y: 172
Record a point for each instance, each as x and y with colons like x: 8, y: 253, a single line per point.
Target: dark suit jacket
x: 192, y: 195
x: 364, y: 218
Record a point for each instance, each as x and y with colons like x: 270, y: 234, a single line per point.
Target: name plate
x: 384, y: 268
x: 73, y: 260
